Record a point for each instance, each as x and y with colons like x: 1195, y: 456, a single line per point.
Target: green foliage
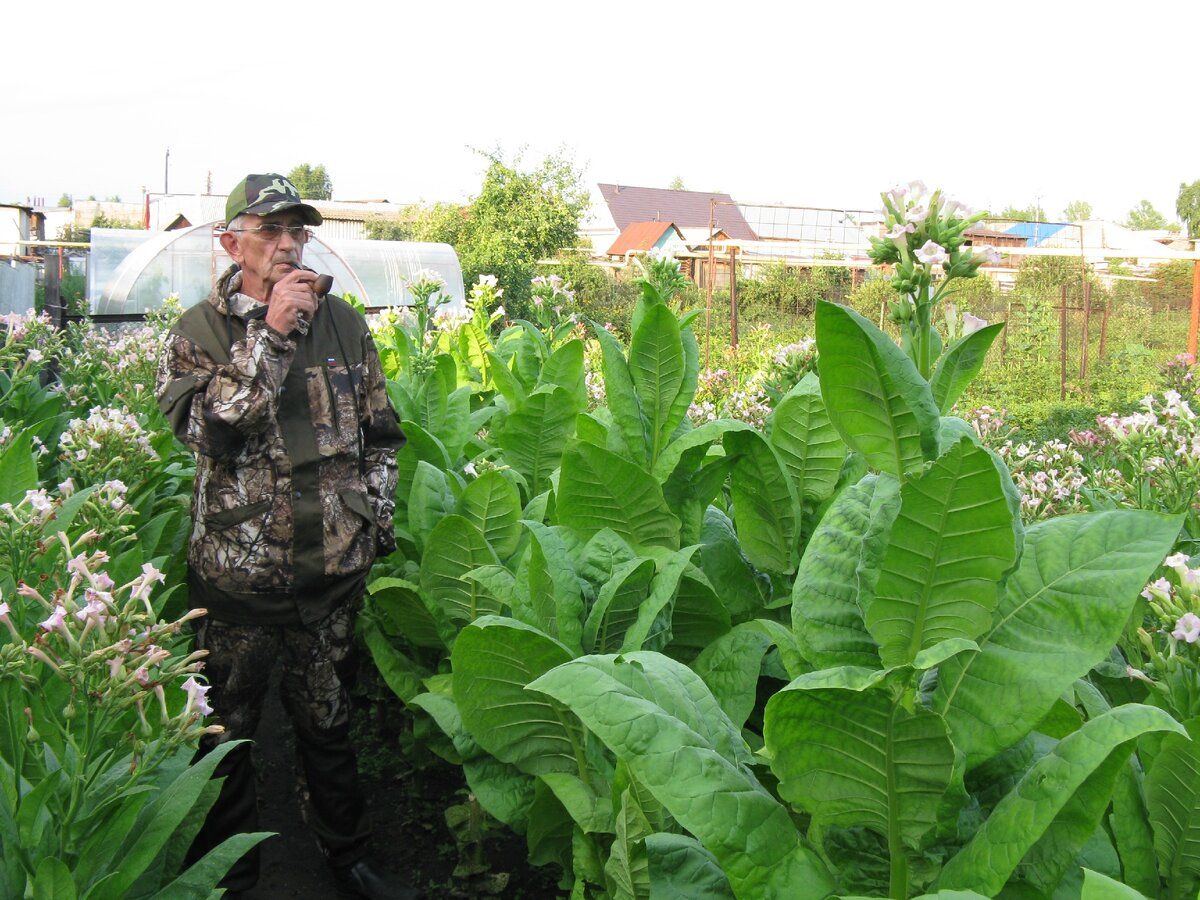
x: 313, y: 182
x: 1032, y: 212
x: 594, y: 608
x: 381, y: 229
x: 64, y: 201
x: 778, y: 287
x: 1187, y: 207
x: 1144, y: 217
x: 1077, y: 211
x: 518, y: 217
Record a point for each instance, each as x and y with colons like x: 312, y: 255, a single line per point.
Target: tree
x: 676, y: 184
x: 1187, y: 207
x: 1077, y: 211
x: 312, y: 182
x: 518, y: 217
x: 64, y: 200
x: 1144, y: 217
x: 1031, y: 213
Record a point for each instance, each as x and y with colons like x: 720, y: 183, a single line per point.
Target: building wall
x: 14, y: 226
x: 16, y: 286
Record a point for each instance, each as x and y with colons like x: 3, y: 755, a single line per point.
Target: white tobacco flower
x: 56, y: 621
x: 1187, y: 628
x: 917, y: 214
x: 899, y: 231
x: 931, y: 253
x: 971, y: 323
x: 197, y: 697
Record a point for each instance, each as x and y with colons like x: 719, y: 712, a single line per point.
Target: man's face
x: 264, y: 260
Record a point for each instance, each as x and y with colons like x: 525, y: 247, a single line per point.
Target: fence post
x: 733, y: 306
x: 1194, y: 327
x: 1087, y: 334
x: 1062, y: 345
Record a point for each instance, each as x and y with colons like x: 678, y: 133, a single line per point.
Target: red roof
x: 686, y: 209
x: 641, y: 236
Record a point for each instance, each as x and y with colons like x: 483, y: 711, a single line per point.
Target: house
x: 343, y: 220
x: 615, y: 207
x: 641, y: 237
x: 17, y: 223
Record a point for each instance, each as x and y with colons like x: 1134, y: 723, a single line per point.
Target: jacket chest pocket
x: 335, y: 402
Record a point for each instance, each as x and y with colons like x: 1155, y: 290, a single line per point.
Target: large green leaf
x: 806, y: 441
x: 840, y: 566
x: 492, y: 505
x: 455, y: 547
x: 656, y: 365
x: 533, y: 436
x: 553, y: 588
x: 880, y: 404
x: 429, y: 500
x: 398, y: 603
x: 397, y: 671
x: 1057, y: 851
x: 1063, y: 610
x: 627, y: 869
x: 699, y: 616
x: 420, y: 446
x: 1022, y: 817
x: 730, y: 666
x: 493, y: 661
x: 681, y: 869
x: 565, y: 369
x: 1101, y: 887
x: 765, y: 507
x: 652, y: 630
x: 951, y: 545
x: 598, y: 489
x: 658, y: 717
x: 847, y: 751
x: 18, y: 471
x: 691, y: 378
x: 960, y: 364
x: 744, y: 591
x: 699, y: 437
x: 1173, y: 798
x: 616, y: 607
x: 503, y: 790
x: 1132, y: 832
x: 621, y: 397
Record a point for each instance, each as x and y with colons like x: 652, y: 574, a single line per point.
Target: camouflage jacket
x: 295, y: 444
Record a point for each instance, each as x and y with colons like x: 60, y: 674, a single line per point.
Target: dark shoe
x: 363, y: 879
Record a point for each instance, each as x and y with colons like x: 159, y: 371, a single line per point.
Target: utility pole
x: 167, y: 172
x: 208, y: 183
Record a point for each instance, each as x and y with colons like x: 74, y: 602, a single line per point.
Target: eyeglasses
x: 272, y: 231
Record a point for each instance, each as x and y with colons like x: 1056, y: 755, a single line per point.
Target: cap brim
x: 311, y: 216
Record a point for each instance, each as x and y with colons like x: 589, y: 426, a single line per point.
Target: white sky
x: 816, y: 104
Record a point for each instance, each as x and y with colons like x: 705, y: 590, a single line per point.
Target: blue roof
x: 1036, y: 232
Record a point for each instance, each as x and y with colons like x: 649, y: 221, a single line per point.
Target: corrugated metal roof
x: 640, y: 236
x: 1036, y: 232
x: 684, y: 208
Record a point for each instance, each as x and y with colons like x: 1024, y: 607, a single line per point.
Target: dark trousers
x: 317, y: 661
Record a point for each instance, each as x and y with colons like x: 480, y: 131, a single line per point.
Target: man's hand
x: 291, y: 299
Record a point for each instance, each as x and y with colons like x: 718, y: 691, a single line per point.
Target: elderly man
x: 280, y: 393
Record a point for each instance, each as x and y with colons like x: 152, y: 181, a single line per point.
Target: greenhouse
x: 131, y: 271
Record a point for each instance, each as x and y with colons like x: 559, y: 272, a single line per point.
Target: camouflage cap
x: 261, y: 195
